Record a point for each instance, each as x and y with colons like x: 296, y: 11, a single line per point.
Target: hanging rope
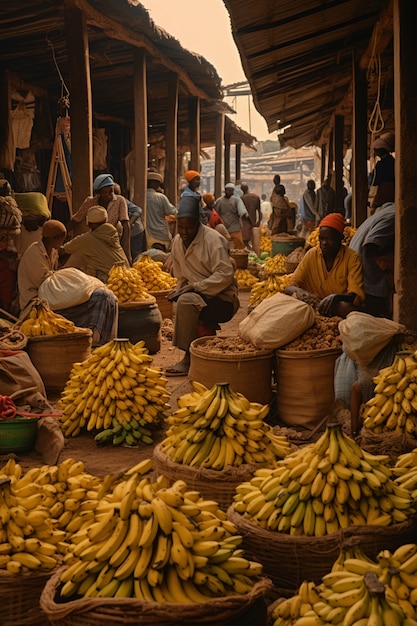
x: 376, y: 121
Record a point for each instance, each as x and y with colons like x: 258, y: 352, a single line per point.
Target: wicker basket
x: 241, y: 260
x: 19, y: 598
x: 288, y: 560
x: 236, y: 610
x: 165, y: 306
x: 54, y: 355
x: 216, y: 485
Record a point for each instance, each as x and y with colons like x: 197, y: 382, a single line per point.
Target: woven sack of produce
x: 237, y: 610
x: 288, y: 560
x: 19, y: 598
x: 218, y: 485
x: 391, y: 443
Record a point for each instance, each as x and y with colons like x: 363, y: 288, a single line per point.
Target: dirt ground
x: 102, y: 460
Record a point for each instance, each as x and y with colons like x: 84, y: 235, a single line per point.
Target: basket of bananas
x: 301, y: 513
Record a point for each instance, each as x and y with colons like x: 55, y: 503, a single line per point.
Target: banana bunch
x: 394, y: 403
x: 405, y: 470
x: 321, y: 488
x: 126, y: 284
x: 114, y: 386
x: 313, y: 238
x: 245, y: 279
x: 27, y: 539
x: 152, y: 275
x: 275, y: 264
x: 357, y: 592
x: 266, y: 288
x: 158, y: 543
x: 43, y: 321
x: 265, y: 243
x: 216, y: 428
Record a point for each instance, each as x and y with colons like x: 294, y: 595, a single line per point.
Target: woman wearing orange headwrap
x: 330, y: 271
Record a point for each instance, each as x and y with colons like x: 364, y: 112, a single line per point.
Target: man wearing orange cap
x: 330, y: 271
x: 192, y: 190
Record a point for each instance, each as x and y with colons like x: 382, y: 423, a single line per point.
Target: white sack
x: 68, y: 287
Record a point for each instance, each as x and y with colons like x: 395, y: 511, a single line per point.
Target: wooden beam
x: 194, y: 128
x: 226, y: 157
x: 338, y: 162
x: 171, y: 140
x: 405, y: 107
x: 359, y: 146
x: 238, y: 161
x: 115, y: 30
x: 140, y: 130
x: 218, y: 155
x: 80, y: 105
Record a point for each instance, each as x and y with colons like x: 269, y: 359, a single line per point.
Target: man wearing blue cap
x: 206, y: 292
x: 115, y: 205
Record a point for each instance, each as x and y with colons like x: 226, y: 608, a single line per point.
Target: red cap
x: 334, y: 220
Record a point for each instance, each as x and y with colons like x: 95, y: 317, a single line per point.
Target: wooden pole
x: 194, y: 129
x: 141, y: 129
x: 218, y: 155
x: 405, y: 107
x: 339, y: 123
x: 227, y: 175
x: 238, y: 161
x: 171, y: 139
x: 359, y: 146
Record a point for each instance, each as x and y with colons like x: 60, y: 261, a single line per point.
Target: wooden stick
x: 12, y: 317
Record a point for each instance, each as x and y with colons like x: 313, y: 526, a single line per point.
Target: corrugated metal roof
x: 297, y: 56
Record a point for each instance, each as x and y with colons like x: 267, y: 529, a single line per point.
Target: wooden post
x: 323, y: 163
x: 338, y: 162
x: 405, y: 107
x: 227, y: 178
x: 141, y: 129
x: 359, y: 179
x: 194, y: 129
x: 330, y: 159
x: 171, y: 139
x: 218, y: 155
x: 238, y: 161
x: 80, y: 105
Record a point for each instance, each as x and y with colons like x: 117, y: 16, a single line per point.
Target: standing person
x: 158, y: 207
x: 309, y: 214
x: 115, y: 205
x: 206, y: 291
x: 325, y: 199
x: 252, y: 203
x: 280, y: 220
x: 266, y: 208
x: 383, y: 174
x: 331, y: 271
x: 214, y: 219
x: 99, y: 249
x: 231, y: 210
x: 99, y: 313
x: 137, y: 229
x: 193, y: 179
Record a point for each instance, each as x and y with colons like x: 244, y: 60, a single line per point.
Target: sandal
x: 176, y: 370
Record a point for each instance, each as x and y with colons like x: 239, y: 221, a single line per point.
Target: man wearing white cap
x: 231, y: 209
x: 98, y: 250
x: 157, y: 208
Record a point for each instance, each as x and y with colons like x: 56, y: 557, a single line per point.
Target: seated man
x: 206, y: 292
x: 98, y: 250
x: 100, y: 312
x: 331, y: 271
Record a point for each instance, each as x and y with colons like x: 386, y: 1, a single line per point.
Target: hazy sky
x: 203, y: 26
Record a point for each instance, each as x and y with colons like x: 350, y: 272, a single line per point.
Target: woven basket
x: 392, y: 443
x: 241, y: 260
x: 19, y: 598
x: 218, y: 485
x: 140, y: 304
x: 237, y: 610
x: 289, y: 560
x: 165, y: 306
x: 290, y: 266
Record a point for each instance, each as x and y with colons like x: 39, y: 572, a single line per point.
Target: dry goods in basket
x: 296, y: 255
x: 215, y: 428
x: 266, y: 288
x: 275, y: 264
x: 245, y: 279
x: 228, y: 345
x: 153, y: 277
x: 323, y: 335
x: 115, y: 391
x: 43, y: 321
x: 357, y: 592
x: 127, y: 285
x: 313, y: 238
x: 319, y: 489
x: 159, y: 543
x: 394, y: 403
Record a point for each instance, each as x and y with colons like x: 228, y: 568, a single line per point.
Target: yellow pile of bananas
x: 152, y: 275
x: 217, y: 427
x: 405, y: 470
x: 43, y: 321
x: 275, y: 264
x: 357, y: 592
x: 115, y: 391
x: 266, y: 288
x: 313, y: 238
x: 265, y: 243
x: 245, y: 279
x: 126, y: 284
x: 321, y: 488
x: 159, y: 543
x: 27, y: 540
x: 394, y: 404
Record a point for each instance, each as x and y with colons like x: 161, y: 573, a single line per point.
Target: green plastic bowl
x: 18, y: 434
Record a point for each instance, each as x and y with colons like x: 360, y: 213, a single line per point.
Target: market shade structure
x: 297, y: 56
